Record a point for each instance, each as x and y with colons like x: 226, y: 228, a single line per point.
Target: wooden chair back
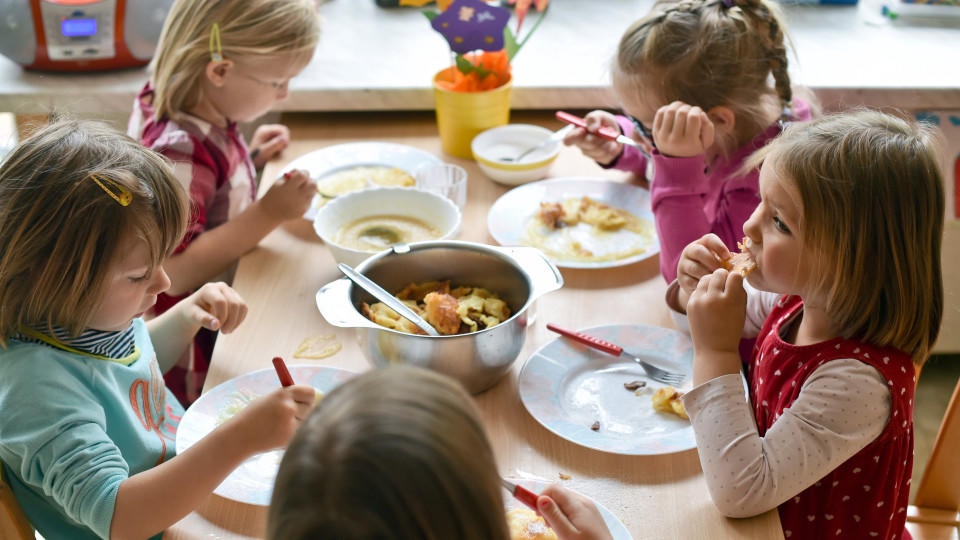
x: 13, y: 524
x: 934, y: 512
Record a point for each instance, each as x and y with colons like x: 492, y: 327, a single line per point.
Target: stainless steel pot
x: 519, y: 275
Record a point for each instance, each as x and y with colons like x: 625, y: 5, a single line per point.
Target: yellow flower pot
x: 461, y: 116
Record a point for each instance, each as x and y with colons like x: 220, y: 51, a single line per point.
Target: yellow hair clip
x: 115, y: 191
x: 216, y: 50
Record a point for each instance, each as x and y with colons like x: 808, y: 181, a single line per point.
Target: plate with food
x: 252, y: 481
x: 607, y: 402
x: 525, y: 524
x: 579, y: 222
x: 343, y: 168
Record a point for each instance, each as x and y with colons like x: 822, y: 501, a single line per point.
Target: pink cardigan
x: 689, y: 202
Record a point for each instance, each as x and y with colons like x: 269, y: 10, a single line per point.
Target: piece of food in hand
x: 525, y: 524
x: 667, y: 399
x: 742, y: 262
x: 317, y: 396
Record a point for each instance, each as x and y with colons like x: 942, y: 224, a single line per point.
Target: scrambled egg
x: 525, y: 524
x: 585, y: 230
x: 357, y: 178
x: 667, y: 399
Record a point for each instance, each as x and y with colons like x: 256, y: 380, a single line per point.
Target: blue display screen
x: 78, y: 27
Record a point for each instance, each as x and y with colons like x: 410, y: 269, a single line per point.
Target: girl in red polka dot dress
x: 845, y: 299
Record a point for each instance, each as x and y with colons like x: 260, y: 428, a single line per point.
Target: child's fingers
x: 693, y: 122
x: 707, y: 130
x: 718, y: 281
x: 713, y: 243
x: 236, y: 310
x: 555, y: 517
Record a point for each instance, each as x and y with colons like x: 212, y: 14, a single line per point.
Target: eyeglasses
x: 272, y: 84
x: 645, y: 134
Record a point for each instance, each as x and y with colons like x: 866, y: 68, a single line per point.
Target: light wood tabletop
x: 657, y: 496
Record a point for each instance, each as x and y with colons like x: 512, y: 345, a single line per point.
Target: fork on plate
x: 656, y: 373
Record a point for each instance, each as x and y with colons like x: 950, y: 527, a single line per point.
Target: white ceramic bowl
x: 491, y: 146
x: 434, y: 210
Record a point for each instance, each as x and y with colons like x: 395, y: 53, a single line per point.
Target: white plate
x: 616, y: 527
x: 567, y: 387
x: 508, y: 217
x: 252, y: 481
x: 326, y: 161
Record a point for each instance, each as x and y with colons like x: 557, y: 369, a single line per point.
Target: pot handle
x: 544, y: 275
x: 333, y: 301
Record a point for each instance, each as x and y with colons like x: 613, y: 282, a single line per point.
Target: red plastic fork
x: 521, y: 493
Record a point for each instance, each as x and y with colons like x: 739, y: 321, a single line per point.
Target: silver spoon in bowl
x: 390, y: 300
x: 556, y: 136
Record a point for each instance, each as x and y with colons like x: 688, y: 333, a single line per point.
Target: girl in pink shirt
x: 845, y: 300
x: 692, y: 79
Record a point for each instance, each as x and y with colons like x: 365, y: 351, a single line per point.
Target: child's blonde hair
x: 395, y: 453
x: 707, y: 54
x: 61, y: 229
x: 871, y: 192
x: 247, y: 28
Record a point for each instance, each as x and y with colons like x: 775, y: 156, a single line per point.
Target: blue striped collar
x: 107, y: 344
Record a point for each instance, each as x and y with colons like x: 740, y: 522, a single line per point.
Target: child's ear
x: 723, y: 118
x: 217, y: 71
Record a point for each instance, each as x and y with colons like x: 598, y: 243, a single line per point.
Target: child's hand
x: 289, y: 197
x: 716, y: 310
x: 268, y: 141
x: 270, y: 421
x: 593, y: 146
x: 571, y: 515
x: 215, y: 306
x: 700, y: 258
x: 682, y: 130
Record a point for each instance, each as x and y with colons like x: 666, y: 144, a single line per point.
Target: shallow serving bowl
x: 434, y: 210
x: 518, y: 275
x: 493, y: 145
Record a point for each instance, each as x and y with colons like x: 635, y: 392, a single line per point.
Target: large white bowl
x: 491, y: 146
x: 435, y: 210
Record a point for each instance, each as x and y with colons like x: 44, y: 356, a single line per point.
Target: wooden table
x: 661, y: 496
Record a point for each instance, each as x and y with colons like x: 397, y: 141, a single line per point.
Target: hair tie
x: 216, y: 50
x: 727, y: 4
x: 115, y: 191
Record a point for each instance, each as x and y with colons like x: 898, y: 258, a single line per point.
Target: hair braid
x: 759, y: 12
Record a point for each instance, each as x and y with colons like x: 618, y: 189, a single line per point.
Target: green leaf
x: 466, y: 67
x: 510, y: 42
x: 429, y: 14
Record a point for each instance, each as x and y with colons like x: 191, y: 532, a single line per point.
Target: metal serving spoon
x: 390, y: 300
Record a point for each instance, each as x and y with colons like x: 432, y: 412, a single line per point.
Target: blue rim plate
x: 510, y: 214
x: 616, y: 527
x: 252, y: 481
x: 567, y: 387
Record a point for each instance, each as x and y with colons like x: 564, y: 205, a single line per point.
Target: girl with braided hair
x: 705, y: 83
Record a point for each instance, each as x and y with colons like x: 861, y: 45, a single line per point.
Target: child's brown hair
x: 262, y: 28
x: 395, y: 453
x: 61, y: 223
x: 710, y: 53
x: 871, y: 193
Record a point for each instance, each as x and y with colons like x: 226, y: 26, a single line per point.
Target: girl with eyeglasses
x: 703, y: 83
x: 219, y: 63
